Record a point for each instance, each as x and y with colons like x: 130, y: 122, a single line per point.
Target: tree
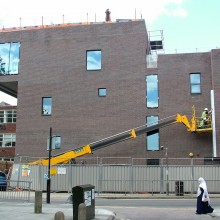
x: 2, y: 67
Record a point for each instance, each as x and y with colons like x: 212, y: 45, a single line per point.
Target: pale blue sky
x: 199, y: 28
x: 187, y: 25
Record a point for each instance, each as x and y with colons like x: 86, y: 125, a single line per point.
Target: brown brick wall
x: 53, y: 63
x: 175, y: 97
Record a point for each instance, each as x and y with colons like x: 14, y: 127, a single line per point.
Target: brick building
x: 7, y: 131
x: 90, y: 81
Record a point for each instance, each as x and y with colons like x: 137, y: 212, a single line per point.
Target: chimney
x: 107, y: 17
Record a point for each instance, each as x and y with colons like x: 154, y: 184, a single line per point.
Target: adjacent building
x: 7, y: 132
x: 88, y: 81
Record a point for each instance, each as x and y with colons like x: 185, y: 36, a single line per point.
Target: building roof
x: 4, y: 104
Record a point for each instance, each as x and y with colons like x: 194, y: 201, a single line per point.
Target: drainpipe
x: 213, y: 124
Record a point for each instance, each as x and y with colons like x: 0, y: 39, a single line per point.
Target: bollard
x: 59, y: 216
x: 82, y: 211
x: 38, y: 202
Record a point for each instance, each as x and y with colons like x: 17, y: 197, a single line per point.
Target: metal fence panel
x: 16, y: 190
x: 119, y: 178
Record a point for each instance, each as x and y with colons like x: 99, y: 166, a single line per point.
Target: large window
x: 152, y: 137
x: 94, y: 60
x: 7, y: 116
x: 9, y: 58
x: 195, y: 83
x: 152, y: 91
x: 46, y: 106
x: 7, y: 140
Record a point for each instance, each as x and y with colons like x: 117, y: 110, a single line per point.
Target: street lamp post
x: 167, y: 172
x: 48, y: 175
x: 53, y: 142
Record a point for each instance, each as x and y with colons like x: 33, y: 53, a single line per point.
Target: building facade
x: 90, y: 81
x: 7, y: 132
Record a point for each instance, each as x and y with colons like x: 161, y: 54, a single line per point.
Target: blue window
x: 94, y: 60
x: 195, y: 83
x: 102, y: 92
x: 46, y: 106
x: 152, y: 91
x: 152, y: 137
x: 9, y: 58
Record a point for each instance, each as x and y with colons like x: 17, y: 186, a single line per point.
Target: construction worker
x: 204, y: 118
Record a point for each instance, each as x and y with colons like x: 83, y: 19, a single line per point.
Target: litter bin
x: 84, y: 194
x: 179, y: 188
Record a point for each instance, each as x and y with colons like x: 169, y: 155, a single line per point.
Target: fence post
x: 82, y: 212
x: 38, y: 202
x: 132, y: 177
x: 59, y: 216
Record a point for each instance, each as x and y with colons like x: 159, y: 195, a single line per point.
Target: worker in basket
x: 205, y: 118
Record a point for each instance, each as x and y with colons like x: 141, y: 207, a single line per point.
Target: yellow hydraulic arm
x: 64, y: 157
x: 133, y: 133
x: 87, y: 149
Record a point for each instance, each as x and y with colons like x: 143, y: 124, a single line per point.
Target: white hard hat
x: 206, y: 109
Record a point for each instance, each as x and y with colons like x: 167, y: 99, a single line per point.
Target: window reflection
x: 102, y: 92
x: 14, y: 58
x: 9, y: 58
x: 7, y: 116
x: 46, y: 106
x: 152, y: 138
x: 152, y: 91
x: 195, y: 83
x: 7, y: 140
x: 94, y: 60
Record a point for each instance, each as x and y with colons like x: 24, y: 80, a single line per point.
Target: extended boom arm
x: 133, y: 133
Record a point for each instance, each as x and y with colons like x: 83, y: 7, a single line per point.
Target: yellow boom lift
x: 66, y: 157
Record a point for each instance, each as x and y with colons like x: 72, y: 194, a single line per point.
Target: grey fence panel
x: 115, y: 178
x: 179, y: 173
x: 59, y: 180
x: 146, y: 178
x: 21, y: 172
x: 84, y: 175
x: 119, y: 178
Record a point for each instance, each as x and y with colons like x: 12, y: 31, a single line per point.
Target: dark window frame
x: 147, y: 94
x: 153, y: 133
x: 42, y: 106
x: 99, y: 94
x: 195, y: 84
x: 95, y: 69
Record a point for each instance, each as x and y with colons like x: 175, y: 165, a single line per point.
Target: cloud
x: 81, y: 11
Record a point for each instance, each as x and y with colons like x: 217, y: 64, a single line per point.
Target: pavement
x: 59, y: 202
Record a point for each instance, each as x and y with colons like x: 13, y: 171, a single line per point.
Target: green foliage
x: 2, y: 67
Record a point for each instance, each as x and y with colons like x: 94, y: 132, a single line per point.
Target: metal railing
x: 130, y: 161
x: 16, y: 190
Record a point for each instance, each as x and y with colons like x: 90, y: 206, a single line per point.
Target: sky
x: 184, y: 25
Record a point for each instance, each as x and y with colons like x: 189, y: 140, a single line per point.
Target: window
x: 152, y: 91
x: 94, y: 59
x: 7, y: 140
x: 8, y: 116
x: 9, y: 58
x: 195, y: 83
x: 153, y: 162
x: 152, y: 137
x: 46, y: 106
x: 102, y: 92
